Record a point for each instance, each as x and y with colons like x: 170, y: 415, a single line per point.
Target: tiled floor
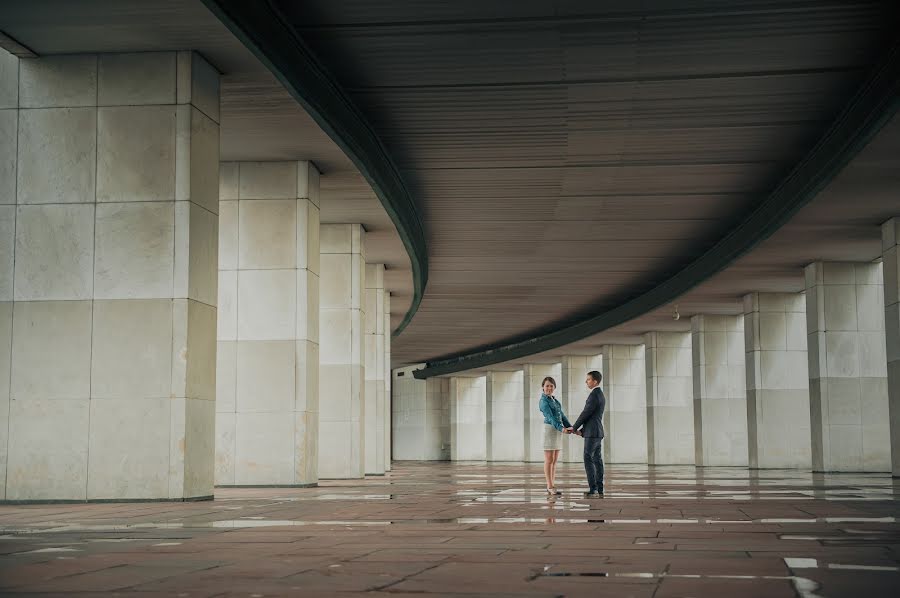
x: 470, y: 529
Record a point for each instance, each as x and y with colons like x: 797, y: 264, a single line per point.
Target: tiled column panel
x: 777, y: 380
x: 267, y: 376
x: 374, y: 349
x: 572, y: 394
x: 670, y: 399
x: 505, y: 413
x: 720, y: 399
x: 468, y: 414
x: 533, y: 375
x: 848, y: 392
x: 625, y: 420
x: 890, y: 236
x: 342, y: 433
x: 421, y: 417
x: 108, y: 229
x: 388, y: 395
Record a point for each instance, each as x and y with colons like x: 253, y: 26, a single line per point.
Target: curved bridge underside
x: 578, y: 167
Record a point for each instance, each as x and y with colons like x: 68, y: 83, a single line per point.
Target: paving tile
x: 474, y: 530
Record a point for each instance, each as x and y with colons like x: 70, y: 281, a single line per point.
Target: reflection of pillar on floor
x: 670, y: 401
x: 777, y: 381
x: 468, y: 412
x: 625, y: 420
x: 572, y: 394
x: 890, y: 236
x: 847, y: 367
x: 505, y: 412
x: 267, y: 373
x: 374, y: 350
x: 108, y: 276
x: 388, y: 397
x: 342, y: 364
x: 720, y: 400
x: 533, y: 375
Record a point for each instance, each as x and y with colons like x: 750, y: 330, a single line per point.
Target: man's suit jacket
x: 591, y: 417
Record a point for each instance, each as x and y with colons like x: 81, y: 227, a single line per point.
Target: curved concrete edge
x: 266, y: 33
x: 873, y: 104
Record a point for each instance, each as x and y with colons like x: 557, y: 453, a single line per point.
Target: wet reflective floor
x: 476, y: 530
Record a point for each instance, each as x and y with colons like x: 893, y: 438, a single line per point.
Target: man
x: 589, y: 425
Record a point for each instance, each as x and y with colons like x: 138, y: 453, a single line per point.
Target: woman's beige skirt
x: 552, y: 438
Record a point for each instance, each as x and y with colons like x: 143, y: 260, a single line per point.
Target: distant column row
x: 805, y: 380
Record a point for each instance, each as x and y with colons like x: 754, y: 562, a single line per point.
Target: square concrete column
x: 342, y: 432
x: 848, y: 392
x: 108, y: 238
x: 670, y: 398
x: 572, y: 394
x: 532, y: 376
x: 720, y: 399
x: 267, y: 375
x: 374, y: 349
x: 421, y: 417
x: 505, y: 403
x: 388, y: 395
x: 625, y: 420
x: 777, y: 380
x: 890, y: 236
x: 468, y: 415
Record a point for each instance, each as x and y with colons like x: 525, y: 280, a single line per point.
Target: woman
x: 555, y: 423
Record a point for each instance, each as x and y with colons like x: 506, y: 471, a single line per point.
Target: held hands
x: 571, y: 431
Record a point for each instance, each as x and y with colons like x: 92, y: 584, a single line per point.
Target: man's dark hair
x: 596, y: 376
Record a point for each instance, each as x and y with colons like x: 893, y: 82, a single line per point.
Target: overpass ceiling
x: 570, y: 155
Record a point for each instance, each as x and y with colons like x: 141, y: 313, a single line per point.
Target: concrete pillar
x: 421, y: 417
x: 625, y: 420
x: 468, y: 415
x: 777, y: 380
x: 342, y: 432
x: 374, y: 349
x: 505, y: 406
x: 267, y: 374
x: 388, y: 395
x: 533, y: 433
x: 890, y: 236
x: 848, y: 392
x: 572, y: 394
x: 720, y: 400
x: 108, y: 229
x: 670, y: 399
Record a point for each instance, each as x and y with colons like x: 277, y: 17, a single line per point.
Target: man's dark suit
x: 590, y: 422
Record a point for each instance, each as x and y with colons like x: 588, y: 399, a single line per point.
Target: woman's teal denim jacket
x: 553, y: 413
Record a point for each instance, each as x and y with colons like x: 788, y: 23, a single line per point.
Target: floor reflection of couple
x: 589, y: 425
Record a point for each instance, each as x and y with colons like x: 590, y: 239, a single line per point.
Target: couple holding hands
x: 589, y: 426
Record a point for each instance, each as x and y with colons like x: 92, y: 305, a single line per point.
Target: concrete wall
x: 777, y: 380
x: 847, y: 367
x: 670, y: 400
x: 505, y: 404
x: 267, y: 374
x: 342, y: 315
x: 108, y: 236
x: 421, y: 417
x: 375, y: 370
x: 720, y: 399
x: 890, y: 236
x: 468, y: 419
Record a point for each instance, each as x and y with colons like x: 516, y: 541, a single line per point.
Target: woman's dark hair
x: 550, y: 380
